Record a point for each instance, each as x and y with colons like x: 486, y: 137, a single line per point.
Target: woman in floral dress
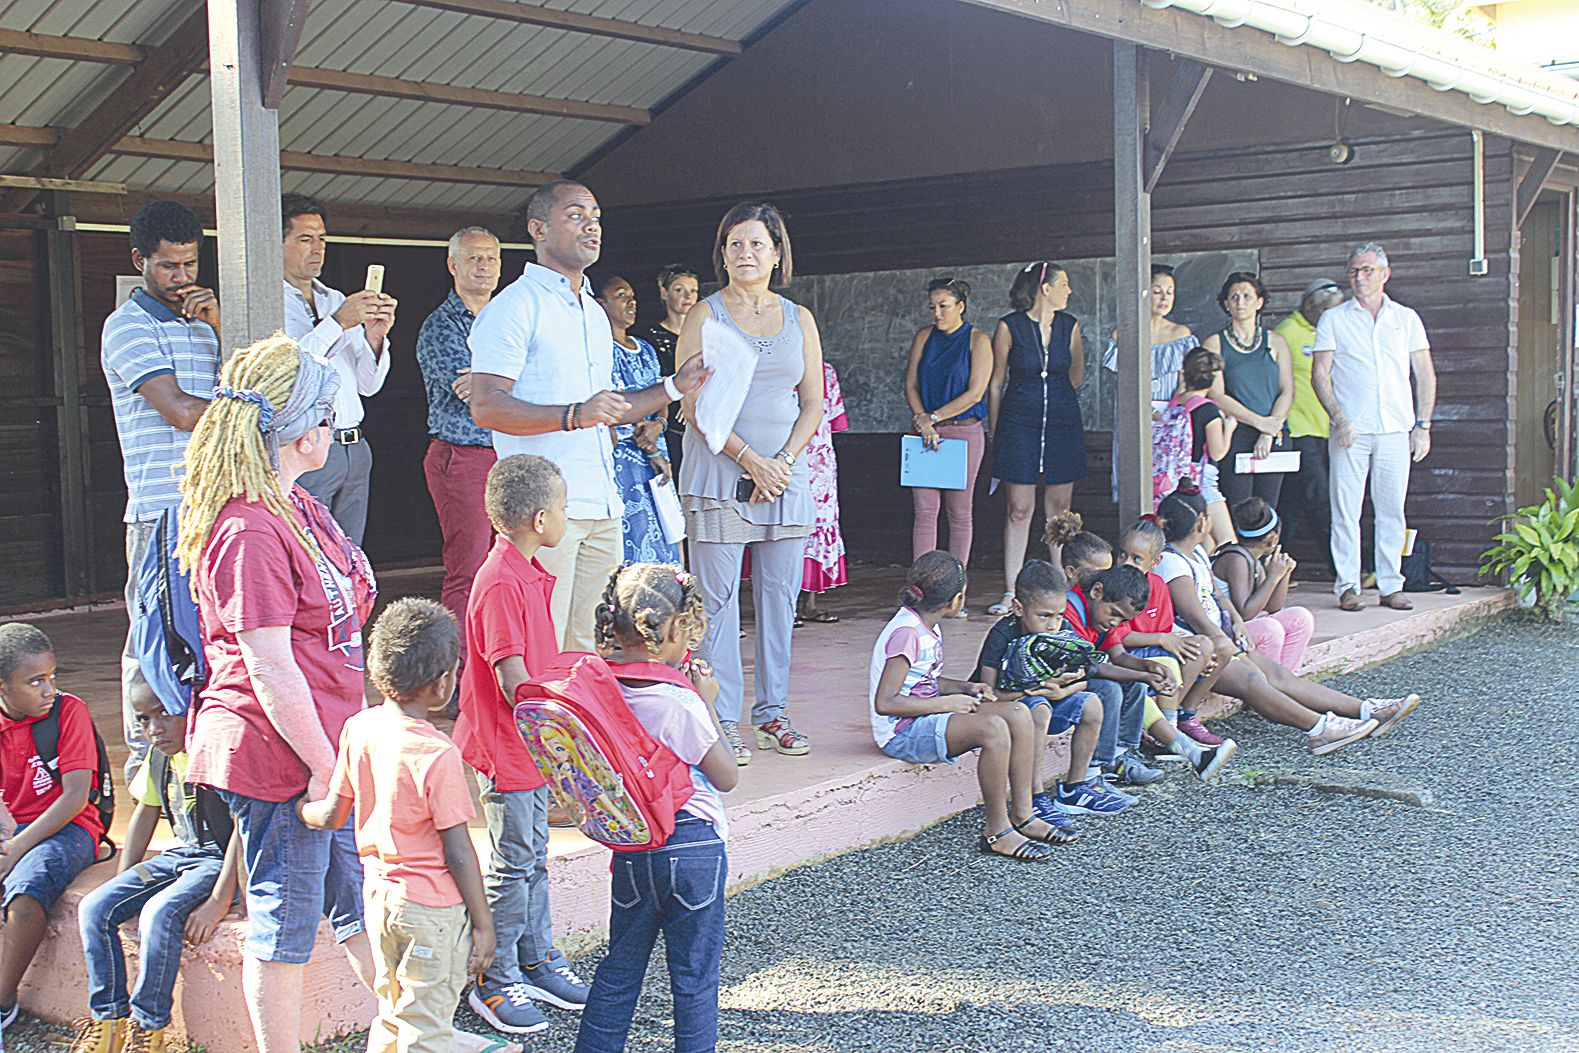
x: 825, y: 545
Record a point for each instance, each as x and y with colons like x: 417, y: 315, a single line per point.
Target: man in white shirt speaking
x: 351, y: 332
x: 1365, y: 351
x: 542, y: 380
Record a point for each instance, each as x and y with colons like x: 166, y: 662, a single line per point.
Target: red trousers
x: 457, y: 477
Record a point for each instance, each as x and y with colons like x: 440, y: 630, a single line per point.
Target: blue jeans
x: 1123, y: 711
x: 295, y: 874
x: 160, y: 892
x: 517, y: 879
x: 677, y: 889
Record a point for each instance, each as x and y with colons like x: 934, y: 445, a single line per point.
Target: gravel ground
x: 1237, y: 917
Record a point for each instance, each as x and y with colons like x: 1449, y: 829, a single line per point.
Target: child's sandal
x: 1026, y: 852
x: 1054, y: 836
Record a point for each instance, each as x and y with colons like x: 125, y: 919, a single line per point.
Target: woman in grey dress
x: 762, y: 456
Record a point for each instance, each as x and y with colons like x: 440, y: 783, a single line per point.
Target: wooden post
x: 71, y: 422
x: 246, y: 177
x: 1132, y: 249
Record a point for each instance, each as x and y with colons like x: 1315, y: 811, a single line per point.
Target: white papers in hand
x: 733, y: 362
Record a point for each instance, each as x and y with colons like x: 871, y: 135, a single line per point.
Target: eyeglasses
x: 1364, y: 272
x: 327, y: 422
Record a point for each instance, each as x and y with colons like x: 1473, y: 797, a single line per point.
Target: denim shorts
x: 50, y: 865
x: 1066, y: 712
x: 923, y: 741
x: 294, y: 875
x: 1209, y: 491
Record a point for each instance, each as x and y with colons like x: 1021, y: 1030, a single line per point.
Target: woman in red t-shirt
x: 282, y: 595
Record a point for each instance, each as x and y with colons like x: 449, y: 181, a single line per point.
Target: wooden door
x: 1539, y: 361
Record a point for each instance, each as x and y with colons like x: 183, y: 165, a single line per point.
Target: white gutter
x: 1296, y: 22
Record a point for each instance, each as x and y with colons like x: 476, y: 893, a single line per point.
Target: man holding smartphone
x: 351, y: 332
x: 160, y: 353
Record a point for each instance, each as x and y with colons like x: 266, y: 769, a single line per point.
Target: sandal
x: 1054, y: 835
x: 779, y: 734
x: 737, y: 745
x: 1002, y: 607
x: 1025, y: 851
x: 819, y: 617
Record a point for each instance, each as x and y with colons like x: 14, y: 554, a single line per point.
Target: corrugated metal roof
x: 391, y: 39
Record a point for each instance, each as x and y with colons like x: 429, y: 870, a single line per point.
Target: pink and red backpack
x: 1172, y: 441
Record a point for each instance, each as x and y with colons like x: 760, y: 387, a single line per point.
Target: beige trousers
x: 419, y: 970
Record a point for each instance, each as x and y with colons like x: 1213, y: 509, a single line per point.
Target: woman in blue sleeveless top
x: 945, y: 381
x: 1033, y: 409
x: 1256, y: 388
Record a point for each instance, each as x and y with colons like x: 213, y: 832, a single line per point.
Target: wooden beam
x: 1204, y: 40
x: 570, y: 21
x: 280, y: 35
x: 27, y: 135
x: 178, y: 150
x: 163, y: 70
x: 45, y: 183
x: 1531, y: 182
x: 1132, y: 280
x: 423, y: 91
x: 1167, y: 124
x: 74, y: 49
x: 349, y: 220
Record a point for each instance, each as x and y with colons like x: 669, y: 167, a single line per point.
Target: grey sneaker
x: 553, y: 981
x: 1387, y: 712
x: 1129, y: 770
x: 1339, y: 732
x: 506, y: 1007
x: 731, y: 731
x: 1109, y: 782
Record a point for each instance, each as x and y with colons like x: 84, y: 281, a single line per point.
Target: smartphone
x: 375, y: 278
x: 745, y: 489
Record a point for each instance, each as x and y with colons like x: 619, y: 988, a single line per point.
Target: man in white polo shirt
x: 542, y: 378
x: 351, y: 332
x: 1364, y: 352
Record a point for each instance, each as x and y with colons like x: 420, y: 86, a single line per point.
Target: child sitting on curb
x: 1061, y: 703
x: 427, y: 913
x: 58, y: 826
x: 181, y: 893
x: 1257, y: 572
x: 922, y: 717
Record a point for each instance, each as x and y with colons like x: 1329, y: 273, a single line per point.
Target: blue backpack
x: 165, y: 627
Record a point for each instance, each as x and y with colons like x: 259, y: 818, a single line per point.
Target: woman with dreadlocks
x: 283, y: 595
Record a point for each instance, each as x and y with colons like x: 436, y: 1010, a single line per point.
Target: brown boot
x: 99, y: 1036
x: 140, y: 1040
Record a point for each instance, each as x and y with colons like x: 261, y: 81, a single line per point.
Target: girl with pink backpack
x: 1190, y: 437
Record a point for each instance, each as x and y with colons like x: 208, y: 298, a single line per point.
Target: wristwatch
x: 1423, y: 425
x: 787, y: 457
x: 933, y: 417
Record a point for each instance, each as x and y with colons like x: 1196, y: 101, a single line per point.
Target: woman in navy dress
x: 640, y: 452
x: 1033, y: 409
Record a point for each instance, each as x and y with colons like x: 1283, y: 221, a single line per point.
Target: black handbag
x: 1420, y: 576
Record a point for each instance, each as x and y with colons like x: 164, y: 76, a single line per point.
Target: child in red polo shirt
x: 58, y: 828
x: 510, y: 637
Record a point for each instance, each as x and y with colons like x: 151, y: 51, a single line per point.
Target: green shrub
x: 1539, y: 551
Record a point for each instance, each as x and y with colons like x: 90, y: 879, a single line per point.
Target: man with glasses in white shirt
x: 1365, y: 351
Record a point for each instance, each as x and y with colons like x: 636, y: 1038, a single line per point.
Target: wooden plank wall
x: 1411, y: 193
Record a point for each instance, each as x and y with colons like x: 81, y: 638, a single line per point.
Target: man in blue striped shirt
x: 160, y: 353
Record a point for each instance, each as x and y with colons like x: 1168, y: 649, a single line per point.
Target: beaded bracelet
x: 564, y: 419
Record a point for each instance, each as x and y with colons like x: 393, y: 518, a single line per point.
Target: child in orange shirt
x: 427, y: 914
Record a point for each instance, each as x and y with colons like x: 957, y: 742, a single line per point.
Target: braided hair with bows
x: 642, y: 599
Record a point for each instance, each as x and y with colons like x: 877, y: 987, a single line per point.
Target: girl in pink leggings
x: 1257, y: 572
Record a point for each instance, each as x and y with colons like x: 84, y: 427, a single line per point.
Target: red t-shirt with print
x: 1156, y: 618
x: 508, y: 615
x: 25, y: 784
x: 255, y: 573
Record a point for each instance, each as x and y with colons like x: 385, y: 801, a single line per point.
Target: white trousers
x: 1385, y: 459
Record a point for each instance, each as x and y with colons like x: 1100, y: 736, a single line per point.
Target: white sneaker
x: 1338, y: 732
x: 1387, y: 712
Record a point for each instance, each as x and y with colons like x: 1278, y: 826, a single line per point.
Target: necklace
x: 1251, y: 346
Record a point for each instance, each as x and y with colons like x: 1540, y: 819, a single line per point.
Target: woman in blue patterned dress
x: 640, y: 452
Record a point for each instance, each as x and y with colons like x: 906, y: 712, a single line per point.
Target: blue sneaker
x: 1044, y: 808
x: 1089, y: 798
x: 553, y: 981
x: 506, y: 1007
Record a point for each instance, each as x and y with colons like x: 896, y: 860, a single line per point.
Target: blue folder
x: 939, y: 469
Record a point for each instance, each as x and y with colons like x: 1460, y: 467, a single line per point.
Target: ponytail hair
x: 1028, y: 283
x: 1079, y: 546
x: 1149, y: 527
x: 934, y: 580
x: 1180, y: 511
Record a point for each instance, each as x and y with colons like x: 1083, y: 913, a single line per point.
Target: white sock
x: 1094, y: 771
x: 1186, y: 747
x: 1367, y: 706
x: 1321, y: 725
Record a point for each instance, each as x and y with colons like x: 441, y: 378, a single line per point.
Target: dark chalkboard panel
x: 867, y: 321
